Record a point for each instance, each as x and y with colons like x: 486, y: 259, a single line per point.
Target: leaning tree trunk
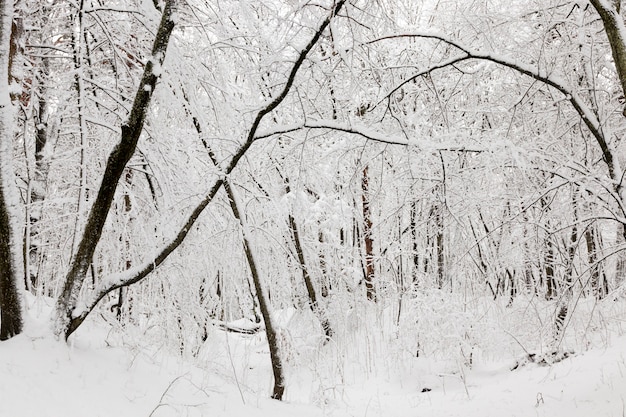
x: 270, y: 331
x: 609, y: 11
x: 116, y: 163
x: 75, y: 315
x: 314, y: 304
x: 10, y: 239
x: 615, y: 28
x: 313, y: 301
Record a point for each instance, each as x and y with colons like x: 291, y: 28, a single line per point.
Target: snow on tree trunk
x: 616, y: 32
x: 10, y: 238
x: 116, y: 163
x: 367, y: 236
x: 136, y: 274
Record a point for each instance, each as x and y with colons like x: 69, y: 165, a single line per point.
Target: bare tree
x: 72, y: 315
x: 65, y: 323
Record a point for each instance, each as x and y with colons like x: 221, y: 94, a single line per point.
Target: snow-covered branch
x: 550, y: 79
x: 131, y: 130
x: 368, y: 133
x: 115, y: 281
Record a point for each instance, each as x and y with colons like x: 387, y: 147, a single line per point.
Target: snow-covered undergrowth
x: 466, y: 349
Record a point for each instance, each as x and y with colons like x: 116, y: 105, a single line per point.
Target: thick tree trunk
x: 10, y: 238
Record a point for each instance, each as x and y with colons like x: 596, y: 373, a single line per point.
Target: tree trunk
x: 548, y: 266
x: 439, y: 246
x: 615, y: 29
x: 39, y: 178
x: 10, y: 238
x: 116, y: 163
x: 599, y: 284
x: 620, y: 264
x: 326, y: 282
x: 70, y: 317
x: 367, y: 237
x: 414, y: 246
x: 270, y: 331
x: 76, y: 27
x: 313, y: 301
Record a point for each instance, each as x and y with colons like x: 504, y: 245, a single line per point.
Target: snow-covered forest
x: 358, y: 207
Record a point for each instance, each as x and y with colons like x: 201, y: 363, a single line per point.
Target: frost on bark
x: 599, y: 283
x: 38, y: 178
x: 10, y: 240
x: 367, y: 237
x: 116, y: 163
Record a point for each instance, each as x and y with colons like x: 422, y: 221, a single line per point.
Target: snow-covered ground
x: 107, y: 372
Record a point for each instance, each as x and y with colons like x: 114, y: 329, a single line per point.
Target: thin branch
x: 136, y: 274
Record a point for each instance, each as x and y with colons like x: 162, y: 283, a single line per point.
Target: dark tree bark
x: 549, y: 257
x: 599, y: 283
x: 10, y: 308
x: 613, y: 22
x: 10, y: 240
x: 367, y: 237
x: 37, y: 175
x: 326, y: 282
x: 38, y: 180
x: 548, y: 267
x: 124, y: 301
x: 140, y: 272
x: 308, y: 282
x: 414, y: 245
x: 615, y: 29
x: 439, y: 243
x: 65, y: 323
x: 270, y: 330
